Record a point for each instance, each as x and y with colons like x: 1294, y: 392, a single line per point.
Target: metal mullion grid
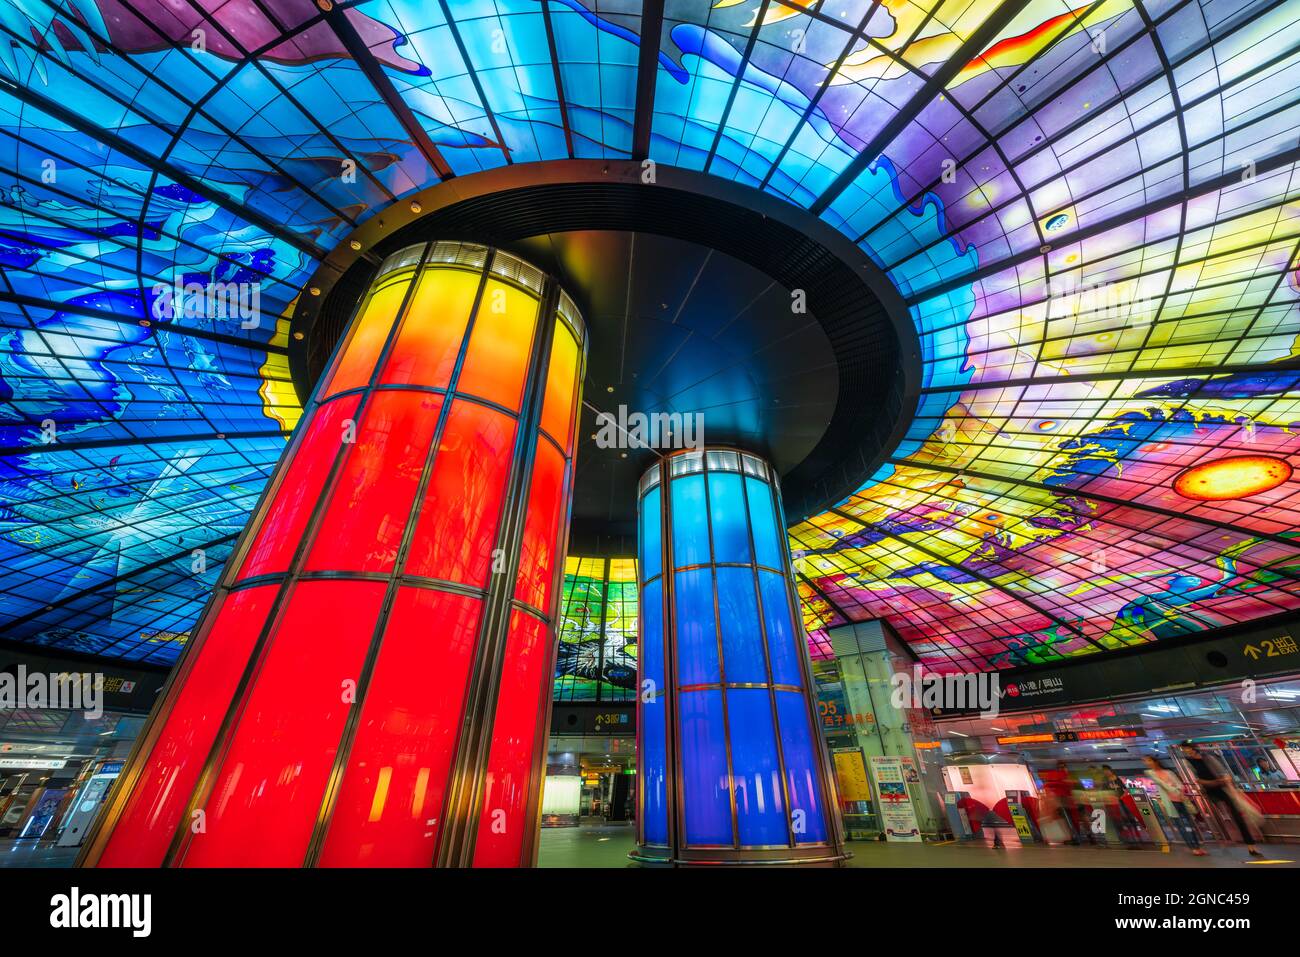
x: 120, y: 579
x: 55, y: 473
x: 365, y: 60
x: 106, y: 90
x: 1028, y: 603
x: 604, y: 618
x: 762, y: 631
x: 717, y: 634
x: 831, y: 73
x: 87, y: 203
x: 568, y: 603
x: 56, y: 446
x: 453, y: 28
x: 968, y: 114
x: 254, y: 58
x: 147, y: 162
x: 134, y: 642
x: 1174, y: 266
x: 725, y: 118
x: 995, y: 454
x: 275, y: 615
x: 557, y: 77
x: 40, y: 333
x: 1177, y: 114
x: 124, y: 442
x: 1106, y: 518
x: 1283, y: 161
x: 551, y: 621
x: 795, y: 56
x: 1259, y: 310
x: 458, y: 835
x: 830, y: 793
x: 395, y: 577
x: 933, y: 85
x: 1132, y: 372
x: 144, y: 567
x: 1082, y: 121
x: 1177, y: 265
x: 920, y: 605
x: 197, y: 108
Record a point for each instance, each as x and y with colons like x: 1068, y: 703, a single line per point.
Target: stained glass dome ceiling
x: 1089, y: 210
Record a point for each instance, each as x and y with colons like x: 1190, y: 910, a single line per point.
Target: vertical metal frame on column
x: 397, y: 577
x: 532, y: 821
x: 513, y: 510
x: 292, y: 576
x: 115, y: 804
x: 464, y: 799
x: 830, y: 791
x: 679, y: 850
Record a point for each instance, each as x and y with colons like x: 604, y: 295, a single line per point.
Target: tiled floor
x: 607, y: 846
x: 30, y: 854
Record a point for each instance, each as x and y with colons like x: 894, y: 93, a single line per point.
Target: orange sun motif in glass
x: 1238, y: 476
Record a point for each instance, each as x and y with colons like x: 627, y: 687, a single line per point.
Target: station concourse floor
x: 607, y: 845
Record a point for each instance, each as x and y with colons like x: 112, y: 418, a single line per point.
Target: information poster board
x: 897, y: 815
x: 851, y: 774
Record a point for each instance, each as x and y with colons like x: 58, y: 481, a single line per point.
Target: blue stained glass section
x: 697, y: 640
x: 651, y: 650
x: 653, y: 759
x: 755, y: 768
x: 690, y: 522
x: 742, y: 639
x: 781, y: 646
x: 651, y: 546
x: 767, y: 541
x: 704, y: 768
x: 797, y: 742
x: 727, y: 514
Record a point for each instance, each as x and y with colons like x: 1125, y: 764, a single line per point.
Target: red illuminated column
x: 369, y: 683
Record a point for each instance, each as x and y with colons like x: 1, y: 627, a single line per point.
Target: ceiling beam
x: 740, y: 79
x: 338, y: 21
x: 122, y: 443
x: 118, y: 579
x: 454, y: 29
x: 979, y: 40
x: 556, y: 74
x: 148, y: 161
x: 647, y: 72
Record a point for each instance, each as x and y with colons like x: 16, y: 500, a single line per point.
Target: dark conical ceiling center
x: 676, y: 328
x: 779, y: 334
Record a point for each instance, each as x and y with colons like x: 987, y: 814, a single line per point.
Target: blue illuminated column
x: 731, y: 767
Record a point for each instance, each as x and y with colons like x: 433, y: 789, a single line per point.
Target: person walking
x: 1217, y: 788
x: 1172, y: 791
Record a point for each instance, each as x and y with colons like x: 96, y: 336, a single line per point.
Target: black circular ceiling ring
x: 861, y: 313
